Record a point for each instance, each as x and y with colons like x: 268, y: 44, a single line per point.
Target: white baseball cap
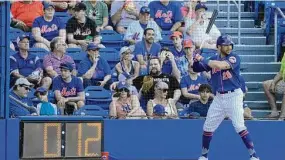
x: 23, y: 81
x: 124, y: 49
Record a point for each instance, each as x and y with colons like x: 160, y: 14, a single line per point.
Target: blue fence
x: 173, y: 139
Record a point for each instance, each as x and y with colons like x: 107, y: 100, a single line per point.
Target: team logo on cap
x: 233, y: 59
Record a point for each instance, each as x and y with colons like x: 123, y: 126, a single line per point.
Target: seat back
x: 97, y: 95
x: 111, y: 55
x: 40, y: 52
x: 113, y: 41
x: 92, y: 110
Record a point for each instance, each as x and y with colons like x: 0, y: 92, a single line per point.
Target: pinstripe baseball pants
x: 230, y: 105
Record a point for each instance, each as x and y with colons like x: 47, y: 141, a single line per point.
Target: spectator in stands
x: 47, y: 27
x: 190, y: 84
x: 123, y: 13
x: 24, y: 64
x: 135, y: 29
x: 161, y: 100
x: 169, y: 65
x: 24, y: 13
x: 146, y: 49
x: 126, y: 66
x: 98, y: 12
x: 80, y: 28
x: 273, y: 87
x: 188, y: 9
x: 145, y: 84
x: 57, y: 56
x: 166, y: 14
x: 179, y: 54
x: 20, y: 103
x: 68, y: 89
x: 197, y: 29
x: 62, y: 5
x: 44, y: 107
x: 127, y: 105
x: 201, y: 106
x: 189, y: 49
x: 94, y: 69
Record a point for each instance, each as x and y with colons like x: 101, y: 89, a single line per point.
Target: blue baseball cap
x: 92, y: 46
x: 122, y: 85
x: 124, y: 76
x: 46, y: 5
x: 145, y: 9
x: 23, y: 37
x: 67, y: 66
x: 159, y: 110
x: 200, y: 5
x: 40, y: 90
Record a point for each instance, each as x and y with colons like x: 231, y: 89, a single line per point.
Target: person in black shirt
x: 145, y: 84
x: 80, y: 29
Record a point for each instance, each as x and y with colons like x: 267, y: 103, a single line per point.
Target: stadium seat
x: 97, y: 95
x: 113, y: 41
x: 76, y: 55
x: 40, y: 52
x: 166, y: 42
x: 108, y: 32
x: 61, y: 14
x: 15, y: 33
x: 111, y: 55
x: 92, y: 110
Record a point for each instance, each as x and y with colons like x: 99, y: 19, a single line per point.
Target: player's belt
x: 226, y: 92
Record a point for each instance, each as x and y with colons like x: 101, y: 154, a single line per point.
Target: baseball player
x: 228, y: 101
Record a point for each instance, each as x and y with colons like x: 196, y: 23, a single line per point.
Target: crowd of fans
x: 151, y: 80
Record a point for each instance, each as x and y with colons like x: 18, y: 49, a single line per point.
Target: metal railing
x: 238, y: 5
x: 277, y: 11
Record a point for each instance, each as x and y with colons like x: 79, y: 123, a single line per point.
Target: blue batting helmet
x: 225, y: 40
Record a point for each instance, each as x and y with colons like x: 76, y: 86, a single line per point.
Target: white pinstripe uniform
x: 228, y: 101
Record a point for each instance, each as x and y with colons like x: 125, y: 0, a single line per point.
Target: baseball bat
x: 30, y: 108
x: 210, y: 25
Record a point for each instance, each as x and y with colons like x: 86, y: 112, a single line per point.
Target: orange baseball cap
x: 188, y: 43
x: 176, y: 34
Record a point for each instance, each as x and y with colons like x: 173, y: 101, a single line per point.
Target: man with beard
x: 228, y: 100
x: 146, y: 49
x: 80, y: 29
x: 145, y: 84
x: 68, y: 89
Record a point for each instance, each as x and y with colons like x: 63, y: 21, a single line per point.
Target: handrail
x: 238, y: 5
x: 277, y: 11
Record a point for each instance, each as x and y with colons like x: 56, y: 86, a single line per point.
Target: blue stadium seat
x: 15, y: 33
x: 73, y: 50
x: 92, y: 110
x: 77, y: 56
x: 96, y: 95
x: 40, y: 52
x: 62, y: 14
x: 108, y: 32
x: 113, y: 41
x: 166, y: 42
x: 64, y: 19
x: 111, y: 55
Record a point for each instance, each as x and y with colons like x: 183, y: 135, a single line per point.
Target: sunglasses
x: 163, y: 89
x: 26, y: 87
x: 42, y: 93
x: 124, y: 89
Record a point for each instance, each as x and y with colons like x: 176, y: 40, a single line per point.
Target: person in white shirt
x: 135, y: 30
x: 197, y: 29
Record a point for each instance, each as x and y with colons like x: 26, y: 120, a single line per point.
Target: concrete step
x: 263, y: 105
x: 259, y: 96
x: 254, y: 86
x: 258, y: 76
x: 235, y: 15
x: 245, y: 23
x: 224, y: 7
x: 260, y: 67
x: 254, y: 49
x: 257, y: 58
x: 245, y: 32
x: 250, y: 40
